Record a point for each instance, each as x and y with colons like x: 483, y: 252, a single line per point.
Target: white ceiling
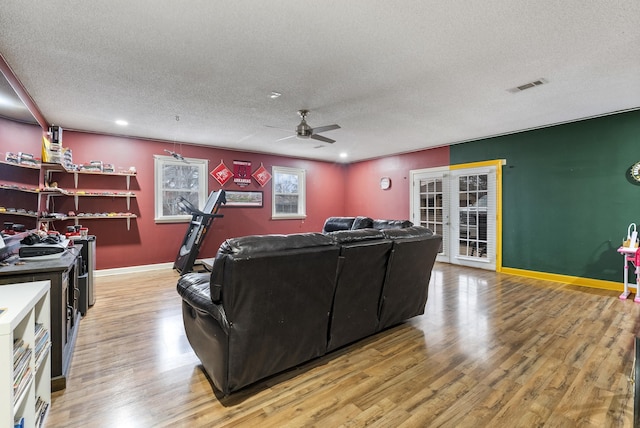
x: 397, y: 76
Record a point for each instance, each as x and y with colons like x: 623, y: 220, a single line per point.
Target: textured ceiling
x: 397, y: 76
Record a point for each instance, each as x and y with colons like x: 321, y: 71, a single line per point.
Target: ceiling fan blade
x: 324, y: 128
x: 321, y: 138
x: 286, y: 138
x: 277, y: 127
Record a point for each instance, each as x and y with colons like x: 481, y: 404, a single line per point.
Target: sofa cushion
x: 361, y: 273
x: 332, y: 224
x: 391, y: 224
x: 406, y: 285
x: 361, y: 222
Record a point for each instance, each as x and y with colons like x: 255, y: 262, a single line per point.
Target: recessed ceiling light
x: 343, y: 155
x: 121, y: 122
x: 274, y: 95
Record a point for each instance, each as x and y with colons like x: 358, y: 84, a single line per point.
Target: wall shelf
x: 32, y: 210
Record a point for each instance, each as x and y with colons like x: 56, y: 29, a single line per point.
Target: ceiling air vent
x: 527, y: 86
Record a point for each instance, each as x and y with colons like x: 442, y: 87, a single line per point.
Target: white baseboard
x: 133, y: 269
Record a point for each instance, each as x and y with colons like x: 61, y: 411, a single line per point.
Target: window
x: 174, y: 179
x: 288, y: 193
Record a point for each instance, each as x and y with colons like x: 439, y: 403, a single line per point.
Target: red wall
x: 148, y: 242
x: 332, y: 190
x: 363, y: 195
x: 19, y: 137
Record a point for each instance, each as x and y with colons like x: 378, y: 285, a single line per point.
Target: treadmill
x: 197, y: 230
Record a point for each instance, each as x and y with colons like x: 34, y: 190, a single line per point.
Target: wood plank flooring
x: 491, y: 350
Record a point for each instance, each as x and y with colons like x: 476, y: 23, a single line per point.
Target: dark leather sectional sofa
x: 273, y: 302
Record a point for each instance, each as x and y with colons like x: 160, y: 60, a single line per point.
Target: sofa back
x: 277, y: 292
x: 390, y: 224
x: 406, y: 286
x: 334, y: 224
x: 361, y: 272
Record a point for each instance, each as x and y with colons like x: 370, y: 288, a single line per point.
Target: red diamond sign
x: 221, y: 173
x: 261, y: 175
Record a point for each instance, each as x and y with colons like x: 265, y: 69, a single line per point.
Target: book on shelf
x: 41, y: 342
x: 22, y: 362
x: 41, y: 410
x: 21, y: 368
x: 20, y: 388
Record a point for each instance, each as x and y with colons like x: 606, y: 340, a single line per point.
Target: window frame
x: 159, y: 163
x: 302, y: 193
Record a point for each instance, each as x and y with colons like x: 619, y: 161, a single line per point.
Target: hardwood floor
x: 491, y: 350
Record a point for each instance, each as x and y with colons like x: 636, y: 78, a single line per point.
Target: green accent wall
x: 567, y: 194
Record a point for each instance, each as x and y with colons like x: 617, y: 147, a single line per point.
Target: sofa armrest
x: 194, y: 289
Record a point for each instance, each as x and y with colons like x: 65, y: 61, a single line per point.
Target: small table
x: 630, y: 255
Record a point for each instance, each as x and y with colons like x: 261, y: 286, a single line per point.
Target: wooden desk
x: 64, y: 293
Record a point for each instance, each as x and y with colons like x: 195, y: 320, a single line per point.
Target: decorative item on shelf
x: 56, y: 134
x: 51, y: 152
x: 242, y: 173
x: 67, y: 160
x: 12, y: 158
x: 261, y: 175
x: 221, y: 173
x: 27, y: 159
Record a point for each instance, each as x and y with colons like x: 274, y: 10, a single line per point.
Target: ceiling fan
x: 304, y: 131
x: 176, y: 155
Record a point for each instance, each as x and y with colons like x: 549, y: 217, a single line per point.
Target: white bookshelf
x: 25, y: 306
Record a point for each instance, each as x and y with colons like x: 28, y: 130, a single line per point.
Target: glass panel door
x: 472, y: 209
x: 431, y: 208
x: 473, y: 230
x: 460, y: 205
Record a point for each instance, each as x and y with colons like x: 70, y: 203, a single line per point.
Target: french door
x: 460, y: 205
